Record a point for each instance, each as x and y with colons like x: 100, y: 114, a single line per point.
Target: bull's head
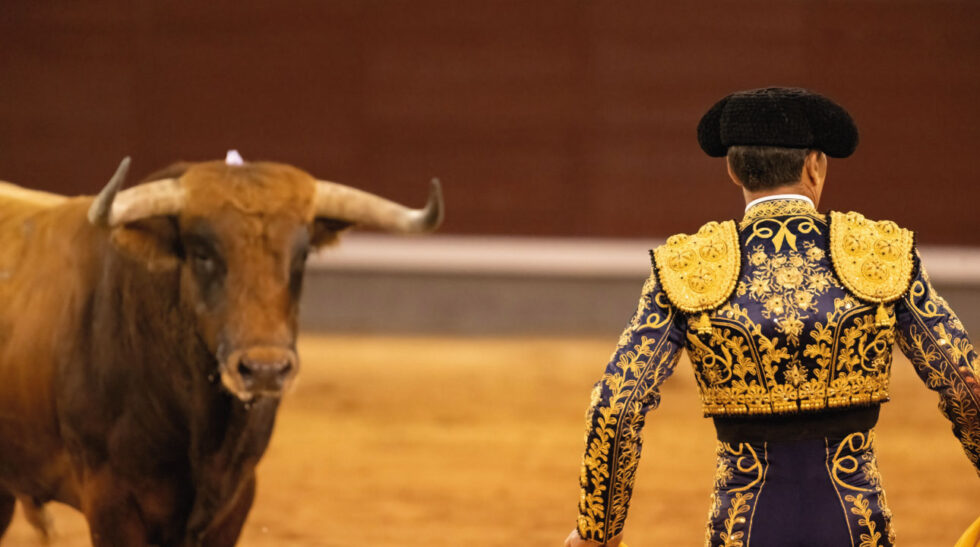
x: 239, y: 236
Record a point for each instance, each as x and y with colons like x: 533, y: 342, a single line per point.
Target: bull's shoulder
x: 699, y: 271
x: 25, y: 215
x: 13, y: 195
x: 873, y: 259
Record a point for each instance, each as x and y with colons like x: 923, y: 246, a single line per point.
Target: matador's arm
x: 933, y: 338
x: 629, y: 388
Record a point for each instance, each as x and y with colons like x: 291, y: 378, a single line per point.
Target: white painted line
x: 952, y: 265
x: 559, y: 257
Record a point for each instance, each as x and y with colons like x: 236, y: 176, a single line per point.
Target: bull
x: 148, y: 334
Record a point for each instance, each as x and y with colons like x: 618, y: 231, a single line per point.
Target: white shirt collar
x: 755, y: 202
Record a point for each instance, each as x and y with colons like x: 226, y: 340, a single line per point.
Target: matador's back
x: 791, y: 311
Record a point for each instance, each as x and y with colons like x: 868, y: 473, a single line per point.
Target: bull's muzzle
x: 259, y: 371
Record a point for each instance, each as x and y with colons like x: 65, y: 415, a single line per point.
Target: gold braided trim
x: 872, y: 259
x: 847, y: 390
x: 699, y: 272
x: 780, y: 208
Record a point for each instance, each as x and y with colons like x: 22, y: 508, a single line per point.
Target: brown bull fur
x: 119, y: 393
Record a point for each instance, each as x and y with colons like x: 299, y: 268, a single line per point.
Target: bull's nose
x: 266, y: 369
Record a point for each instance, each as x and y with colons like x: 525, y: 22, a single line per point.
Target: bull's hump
x: 27, y: 196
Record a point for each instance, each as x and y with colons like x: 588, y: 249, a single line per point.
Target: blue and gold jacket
x: 790, y: 313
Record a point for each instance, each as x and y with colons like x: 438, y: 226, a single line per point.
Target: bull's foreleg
x: 224, y: 472
x: 37, y: 515
x: 220, y: 526
x: 225, y: 530
x: 7, y: 503
x: 113, y: 516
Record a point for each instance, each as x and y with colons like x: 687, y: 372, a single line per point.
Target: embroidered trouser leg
x: 817, y: 492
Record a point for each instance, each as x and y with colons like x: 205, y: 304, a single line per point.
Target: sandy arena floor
x: 459, y: 442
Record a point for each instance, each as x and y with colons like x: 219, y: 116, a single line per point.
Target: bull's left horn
x: 98, y: 213
x: 358, y: 207
x: 157, y: 198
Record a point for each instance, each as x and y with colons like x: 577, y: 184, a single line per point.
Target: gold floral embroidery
x: 943, y: 356
x: 742, y: 371
x: 749, y: 366
x: 842, y: 468
x: 643, y: 360
x: 723, y: 474
x: 738, y: 366
x: 873, y: 476
x: 699, y: 271
x: 873, y: 259
x: 855, y: 457
x: 737, y: 524
x: 862, y: 508
x: 853, y: 362
x: 653, y: 320
x: 740, y: 505
x: 788, y: 286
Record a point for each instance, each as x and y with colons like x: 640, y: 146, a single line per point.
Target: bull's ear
x: 152, y: 242
x: 326, y: 231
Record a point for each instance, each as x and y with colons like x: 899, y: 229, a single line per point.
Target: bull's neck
x: 137, y: 313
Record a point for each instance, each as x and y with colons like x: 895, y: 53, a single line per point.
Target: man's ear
x: 326, y: 231
x: 153, y: 242
x: 815, y: 166
x: 731, y: 174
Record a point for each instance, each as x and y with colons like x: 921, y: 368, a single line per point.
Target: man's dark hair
x: 765, y: 167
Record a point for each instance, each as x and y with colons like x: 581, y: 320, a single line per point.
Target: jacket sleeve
x: 646, y: 355
x: 932, y: 337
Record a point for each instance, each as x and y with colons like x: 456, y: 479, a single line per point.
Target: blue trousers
x: 815, y: 492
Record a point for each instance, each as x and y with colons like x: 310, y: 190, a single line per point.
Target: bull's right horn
x: 358, y: 207
x: 157, y: 198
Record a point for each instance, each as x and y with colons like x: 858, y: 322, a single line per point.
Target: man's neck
x: 779, y: 197
x: 797, y: 188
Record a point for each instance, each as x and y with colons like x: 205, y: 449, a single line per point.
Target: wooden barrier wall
x: 544, y: 117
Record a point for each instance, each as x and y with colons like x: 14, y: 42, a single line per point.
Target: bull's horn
x: 157, y: 198
x: 362, y: 208
x: 98, y: 213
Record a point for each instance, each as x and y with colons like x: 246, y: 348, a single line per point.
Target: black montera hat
x: 778, y: 116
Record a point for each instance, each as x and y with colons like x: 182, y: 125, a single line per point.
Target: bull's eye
x: 203, y: 261
x: 201, y: 252
x: 296, y: 272
x: 209, y: 271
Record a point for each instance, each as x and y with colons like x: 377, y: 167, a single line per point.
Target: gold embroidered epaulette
x: 699, y: 272
x: 873, y: 259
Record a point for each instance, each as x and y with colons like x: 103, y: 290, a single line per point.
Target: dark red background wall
x: 553, y: 117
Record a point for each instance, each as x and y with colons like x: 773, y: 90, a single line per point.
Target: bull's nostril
x: 262, y: 370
